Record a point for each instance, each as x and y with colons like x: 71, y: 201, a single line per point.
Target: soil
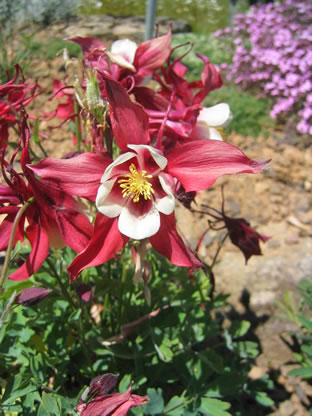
x: 277, y: 203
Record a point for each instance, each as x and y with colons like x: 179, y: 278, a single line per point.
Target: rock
x: 110, y: 28
x: 292, y: 238
x: 303, y: 205
x: 263, y: 298
x: 273, y: 243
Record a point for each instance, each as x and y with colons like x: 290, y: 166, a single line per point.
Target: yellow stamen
x: 136, y: 184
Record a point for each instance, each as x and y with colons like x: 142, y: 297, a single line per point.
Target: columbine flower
x: 52, y: 219
x: 136, y: 189
x: 136, y: 192
x: 130, y: 64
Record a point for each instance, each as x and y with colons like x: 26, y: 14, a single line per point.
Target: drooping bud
x: 32, y: 295
x: 84, y: 292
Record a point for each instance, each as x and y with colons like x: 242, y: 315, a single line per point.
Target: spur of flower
x: 136, y: 192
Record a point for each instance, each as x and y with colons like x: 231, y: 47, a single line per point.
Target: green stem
x: 62, y: 286
x: 77, y: 126
x: 174, y: 407
x: 105, y: 305
x: 42, y: 149
x: 83, y: 343
x: 66, y: 294
x: 123, y: 280
x: 11, y: 241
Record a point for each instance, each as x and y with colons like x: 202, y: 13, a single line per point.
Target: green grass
x: 54, y: 47
x: 251, y: 115
x: 29, y: 48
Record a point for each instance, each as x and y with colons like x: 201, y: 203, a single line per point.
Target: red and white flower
x: 136, y: 192
x: 136, y: 189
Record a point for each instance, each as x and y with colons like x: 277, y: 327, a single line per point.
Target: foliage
x: 182, y: 358
x: 26, y: 49
x: 16, y: 52
x: 14, y: 13
x: 202, y: 15
x: 54, y: 47
x: 301, y: 316
x: 272, y: 45
x: 96, y: 277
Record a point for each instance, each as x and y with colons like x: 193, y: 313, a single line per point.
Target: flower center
x: 136, y: 184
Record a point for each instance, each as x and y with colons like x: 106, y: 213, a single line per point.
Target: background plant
x: 272, y: 57
x: 181, y: 357
x: 299, y: 311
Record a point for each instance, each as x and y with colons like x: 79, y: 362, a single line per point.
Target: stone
x: 292, y: 238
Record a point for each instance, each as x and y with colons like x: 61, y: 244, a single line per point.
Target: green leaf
x: 124, y: 383
x: 246, y: 349
x: 50, y: 404
x: 263, y: 399
x: 175, y: 406
x: 305, y: 322
x: 35, y: 133
x: 18, y: 287
x: 75, y: 315
x: 214, y: 407
x: 156, y: 402
x: 239, y: 328
x: 305, y: 372
x: 213, y: 360
x: 16, y: 388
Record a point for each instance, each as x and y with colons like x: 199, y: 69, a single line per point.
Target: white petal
x: 215, y: 135
x: 126, y: 48
x: 217, y: 116
x: 105, y: 203
x: 166, y: 204
x: 139, y: 227
x: 120, y: 60
x: 159, y: 159
x: 118, y: 161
